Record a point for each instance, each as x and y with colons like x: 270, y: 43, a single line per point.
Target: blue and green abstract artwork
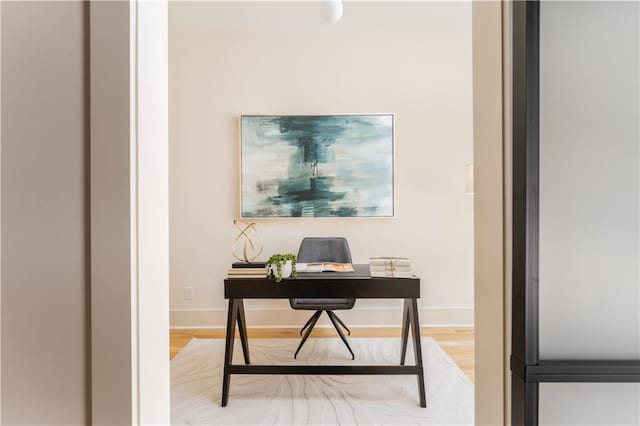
x: 317, y: 165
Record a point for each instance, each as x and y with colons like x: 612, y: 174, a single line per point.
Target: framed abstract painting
x: 316, y: 165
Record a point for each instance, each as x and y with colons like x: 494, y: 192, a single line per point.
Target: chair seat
x: 323, y: 304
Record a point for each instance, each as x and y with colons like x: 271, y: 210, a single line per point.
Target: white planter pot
x: 287, y: 269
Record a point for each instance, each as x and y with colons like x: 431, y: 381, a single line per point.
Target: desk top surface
x: 356, y: 284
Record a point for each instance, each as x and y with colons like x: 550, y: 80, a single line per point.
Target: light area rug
x: 196, y: 386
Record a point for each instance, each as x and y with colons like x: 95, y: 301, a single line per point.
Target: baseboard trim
x: 453, y: 316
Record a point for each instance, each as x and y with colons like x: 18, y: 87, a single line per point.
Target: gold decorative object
x: 249, y: 239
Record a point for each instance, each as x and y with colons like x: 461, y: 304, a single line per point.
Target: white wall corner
x: 152, y: 203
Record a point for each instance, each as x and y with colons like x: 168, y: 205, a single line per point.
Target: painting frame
x: 381, y: 136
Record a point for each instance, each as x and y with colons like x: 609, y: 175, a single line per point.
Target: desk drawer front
x: 383, y: 288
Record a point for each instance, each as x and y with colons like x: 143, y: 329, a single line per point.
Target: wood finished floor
x: 457, y: 342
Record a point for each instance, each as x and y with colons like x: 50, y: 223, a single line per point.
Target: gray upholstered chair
x: 320, y: 249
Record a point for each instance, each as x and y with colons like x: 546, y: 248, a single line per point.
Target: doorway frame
x: 490, y: 282
x: 490, y: 199
x: 129, y: 212
x: 490, y: 233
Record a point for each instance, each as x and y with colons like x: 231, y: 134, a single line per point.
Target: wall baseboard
x: 454, y: 316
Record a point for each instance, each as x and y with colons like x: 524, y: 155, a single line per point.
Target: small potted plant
x: 282, y: 266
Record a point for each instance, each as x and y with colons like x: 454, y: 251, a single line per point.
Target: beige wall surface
x: 0, y: 217
x: 489, y: 214
x: 411, y: 59
x: 112, y: 266
x: 44, y: 309
x: 129, y: 213
x: 507, y: 81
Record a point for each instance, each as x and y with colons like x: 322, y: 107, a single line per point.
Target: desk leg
x: 242, y: 328
x: 405, y: 331
x: 232, y: 317
x: 417, y: 349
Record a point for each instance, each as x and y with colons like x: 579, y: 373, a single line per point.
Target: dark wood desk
x: 319, y: 285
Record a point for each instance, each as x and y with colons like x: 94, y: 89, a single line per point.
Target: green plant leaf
x: 279, y: 259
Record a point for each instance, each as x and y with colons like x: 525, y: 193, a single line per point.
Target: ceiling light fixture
x: 332, y: 10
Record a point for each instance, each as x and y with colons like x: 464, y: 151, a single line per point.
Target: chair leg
x: 309, y: 322
x: 332, y: 317
x: 314, y: 320
x: 341, y: 323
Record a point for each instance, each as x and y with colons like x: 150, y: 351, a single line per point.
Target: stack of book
x: 248, y: 270
x: 391, y: 267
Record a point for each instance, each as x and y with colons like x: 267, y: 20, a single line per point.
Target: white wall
x: 412, y: 59
x: 45, y: 368
x: 589, y: 203
x: 152, y: 192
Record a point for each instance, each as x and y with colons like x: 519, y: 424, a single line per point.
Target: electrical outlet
x: 188, y: 293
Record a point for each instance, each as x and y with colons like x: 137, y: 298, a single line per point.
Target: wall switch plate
x: 188, y: 293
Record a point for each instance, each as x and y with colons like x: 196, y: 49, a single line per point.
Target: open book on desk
x: 324, y: 267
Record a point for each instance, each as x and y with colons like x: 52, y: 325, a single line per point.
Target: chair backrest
x: 324, y: 249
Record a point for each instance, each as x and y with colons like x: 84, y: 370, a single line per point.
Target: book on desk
x: 248, y: 270
x: 391, y: 267
x: 324, y: 267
